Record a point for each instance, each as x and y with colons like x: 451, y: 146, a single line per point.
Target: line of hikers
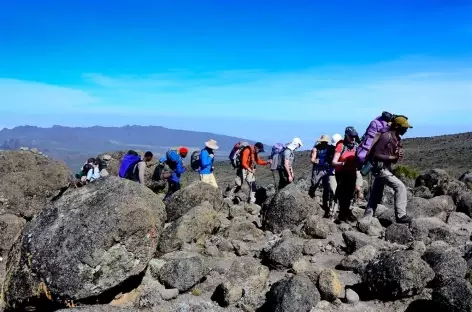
x: 339, y: 165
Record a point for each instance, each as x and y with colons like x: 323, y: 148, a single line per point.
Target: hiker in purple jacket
x: 385, y: 152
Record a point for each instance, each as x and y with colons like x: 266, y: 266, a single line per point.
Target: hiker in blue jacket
x: 174, y: 159
x: 207, y: 159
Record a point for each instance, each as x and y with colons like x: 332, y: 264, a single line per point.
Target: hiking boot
x: 369, y: 212
x: 405, y: 219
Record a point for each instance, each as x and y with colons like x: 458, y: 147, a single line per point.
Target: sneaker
x: 405, y: 219
x: 369, y: 212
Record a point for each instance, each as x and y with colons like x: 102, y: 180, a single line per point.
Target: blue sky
x: 267, y: 70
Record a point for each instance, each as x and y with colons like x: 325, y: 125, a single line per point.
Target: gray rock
x: 466, y: 178
x: 419, y: 247
x: 246, y: 277
x: 183, y: 273
x: 355, y: 240
x: 330, y: 286
x: 318, y: 227
x: 239, y: 230
x: 88, y: 241
x: 29, y: 181
x: 193, y: 195
x: 396, y: 275
x: 10, y: 229
x: 446, y: 264
x: 423, y: 192
x: 288, y: 209
x: 285, y: 253
x: 297, y: 294
x: 351, y: 296
x: 225, y: 245
x: 460, y: 221
x: 455, y: 296
x: 435, y: 180
x: 99, y: 308
x: 168, y: 294
x: 240, y: 248
x: 311, y: 247
x: 198, y: 221
x: 370, y: 226
x: 359, y: 259
x: 422, y: 208
x: 398, y: 233
x: 433, y: 229
x: 155, y: 265
x: 464, y: 203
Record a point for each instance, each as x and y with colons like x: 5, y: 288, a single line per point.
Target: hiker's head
x: 148, y: 156
x: 259, y: 147
x: 91, y: 160
x: 401, y: 125
x: 297, y: 143
x: 336, y: 138
x: 183, y: 151
x: 97, y: 161
x: 350, y: 134
x: 323, y: 140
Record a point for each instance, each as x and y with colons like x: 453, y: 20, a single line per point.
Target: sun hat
x: 324, y: 138
x: 402, y: 122
x: 211, y: 144
x: 297, y: 141
x: 336, y: 138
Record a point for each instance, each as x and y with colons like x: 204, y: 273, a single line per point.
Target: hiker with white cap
x: 207, y: 159
x: 321, y: 157
x: 288, y: 156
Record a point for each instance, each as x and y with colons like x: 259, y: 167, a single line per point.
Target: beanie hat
x: 183, y: 150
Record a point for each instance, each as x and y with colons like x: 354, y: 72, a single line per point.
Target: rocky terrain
x: 114, y: 246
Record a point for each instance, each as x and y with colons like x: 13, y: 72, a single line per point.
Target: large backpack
x: 276, y: 156
x: 132, y: 173
x: 378, y: 125
x: 235, y: 155
x: 130, y: 158
x: 195, y: 160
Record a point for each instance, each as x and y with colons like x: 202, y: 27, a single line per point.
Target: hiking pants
x: 283, y: 179
x: 209, y: 179
x: 385, y: 177
x: 172, y: 188
x: 250, y: 178
x: 334, y: 184
x: 346, y: 181
x: 321, y: 175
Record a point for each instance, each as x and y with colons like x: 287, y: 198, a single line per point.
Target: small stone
x: 168, y: 294
x: 106, y: 157
x: 225, y: 245
x: 301, y: 266
x: 352, y: 297
x: 240, y: 248
x: 329, y: 285
x: 155, y: 265
x: 329, y: 247
x: 212, y: 251
x: 419, y: 247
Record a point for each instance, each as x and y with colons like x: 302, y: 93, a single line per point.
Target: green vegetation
x: 406, y: 171
x: 196, y: 292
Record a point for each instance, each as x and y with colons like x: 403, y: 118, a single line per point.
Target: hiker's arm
x: 180, y: 168
x: 287, y: 167
x: 261, y: 162
x: 337, y: 155
x: 141, y: 169
x: 314, y: 152
x: 245, y: 154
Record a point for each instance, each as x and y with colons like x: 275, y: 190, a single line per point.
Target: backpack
x: 378, y: 125
x: 172, y: 158
x: 161, y: 172
x: 129, y: 160
x: 235, y: 155
x: 276, y: 156
x: 195, y: 160
x: 132, y: 173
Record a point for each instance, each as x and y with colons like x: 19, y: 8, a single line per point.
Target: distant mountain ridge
x: 74, y: 144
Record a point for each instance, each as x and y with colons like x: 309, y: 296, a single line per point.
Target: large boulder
x: 28, y: 181
x: 297, y: 294
x: 289, y: 208
x: 246, y: 277
x: 436, y: 180
x: 464, y: 202
x: 460, y: 221
x: 359, y: 259
x: 199, y: 221
x: 396, y: 275
x: 285, y: 253
x: 11, y: 227
x: 329, y: 285
x: 398, y: 233
x: 467, y: 178
x: 193, y: 195
x: 319, y: 227
x: 356, y: 240
x: 433, y: 229
x: 446, y: 264
x: 439, y: 207
x: 454, y: 296
x: 183, y: 273
x: 85, y: 243
x: 370, y: 226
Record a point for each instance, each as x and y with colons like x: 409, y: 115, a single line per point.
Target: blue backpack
x: 276, y: 156
x: 128, y: 162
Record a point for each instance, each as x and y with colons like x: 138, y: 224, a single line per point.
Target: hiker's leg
x: 400, y: 192
x: 333, y: 184
x: 170, y: 190
x: 376, y: 194
x: 212, y: 180
x: 238, y: 182
x: 313, y: 186
x: 359, y: 185
x: 326, y: 190
x: 251, y: 181
x: 345, y: 193
x: 283, y: 181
